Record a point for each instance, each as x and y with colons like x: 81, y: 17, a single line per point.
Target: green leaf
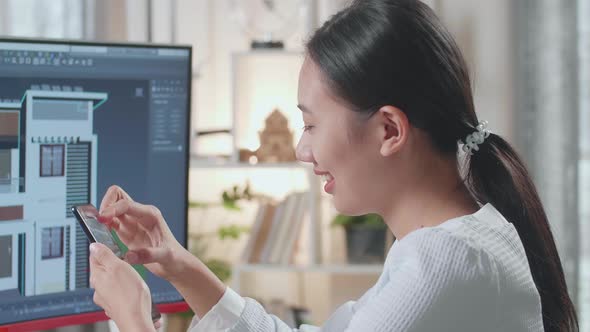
x: 231, y: 231
x: 220, y: 268
x: 194, y: 204
x: 231, y: 205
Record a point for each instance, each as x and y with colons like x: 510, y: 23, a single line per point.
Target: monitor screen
x: 76, y: 118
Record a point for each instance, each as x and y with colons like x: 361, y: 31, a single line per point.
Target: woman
x: 385, y: 97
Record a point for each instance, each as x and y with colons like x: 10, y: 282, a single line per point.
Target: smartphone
x: 97, y: 232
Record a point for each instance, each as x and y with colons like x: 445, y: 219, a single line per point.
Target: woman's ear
x: 393, y: 129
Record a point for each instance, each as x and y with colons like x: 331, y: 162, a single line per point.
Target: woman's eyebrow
x: 303, y: 108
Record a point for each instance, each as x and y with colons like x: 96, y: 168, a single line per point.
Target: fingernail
x: 132, y: 258
x: 103, y: 212
x: 93, y: 248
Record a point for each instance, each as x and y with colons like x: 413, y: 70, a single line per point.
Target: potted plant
x: 365, y: 237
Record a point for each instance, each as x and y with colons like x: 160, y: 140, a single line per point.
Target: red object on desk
x: 85, y: 318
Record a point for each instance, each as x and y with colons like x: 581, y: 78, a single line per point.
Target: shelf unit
x: 314, y: 192
x: 317, y: 264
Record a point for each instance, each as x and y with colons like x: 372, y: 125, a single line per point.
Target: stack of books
x: 276, y: 230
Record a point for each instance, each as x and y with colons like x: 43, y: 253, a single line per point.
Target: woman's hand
x: 120, y: 290
x: 144, y: 231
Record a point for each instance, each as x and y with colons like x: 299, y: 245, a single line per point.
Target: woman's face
x: 341, y: 146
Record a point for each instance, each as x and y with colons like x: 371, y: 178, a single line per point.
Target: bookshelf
x: 313, y: 195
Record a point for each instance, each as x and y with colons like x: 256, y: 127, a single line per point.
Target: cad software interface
x: 75, y: 119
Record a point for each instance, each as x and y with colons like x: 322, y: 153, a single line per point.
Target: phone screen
x: 96, y: 231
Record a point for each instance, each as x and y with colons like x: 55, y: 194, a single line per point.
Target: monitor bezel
x: 96, y: 316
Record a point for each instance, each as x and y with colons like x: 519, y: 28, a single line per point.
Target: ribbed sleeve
x: 255, y: 319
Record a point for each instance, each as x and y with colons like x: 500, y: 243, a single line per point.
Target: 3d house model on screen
x: 46, y: 141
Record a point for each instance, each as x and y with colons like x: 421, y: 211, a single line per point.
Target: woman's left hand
x: 120, y: 290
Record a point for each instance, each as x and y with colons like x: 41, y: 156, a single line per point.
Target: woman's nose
x: 303, y: 151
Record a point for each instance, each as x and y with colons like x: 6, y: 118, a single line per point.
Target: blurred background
x: 529, y: 61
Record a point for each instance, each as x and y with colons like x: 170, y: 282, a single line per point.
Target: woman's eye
x: 307, y: 128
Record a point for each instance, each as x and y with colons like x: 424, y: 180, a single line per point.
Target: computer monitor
x: 76, y: 118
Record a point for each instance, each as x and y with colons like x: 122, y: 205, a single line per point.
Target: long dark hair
x: 397, y: 52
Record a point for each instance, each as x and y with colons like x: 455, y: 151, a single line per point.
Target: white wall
x: 483, y: 31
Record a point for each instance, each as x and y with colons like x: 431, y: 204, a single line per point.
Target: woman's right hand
x: 144, y: 231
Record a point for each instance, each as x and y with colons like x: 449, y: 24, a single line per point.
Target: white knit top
x: 466, y: 274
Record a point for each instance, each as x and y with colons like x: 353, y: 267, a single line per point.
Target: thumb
x: 102, y: 254
x: 147, y: 255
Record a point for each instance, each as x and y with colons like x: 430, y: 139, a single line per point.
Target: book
x: 262, y: 234
x: 270, y: 240
x: 254, y: 232
x: 283, y: 227
x: 295, y: 228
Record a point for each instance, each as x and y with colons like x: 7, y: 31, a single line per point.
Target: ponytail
x: 497, y: 175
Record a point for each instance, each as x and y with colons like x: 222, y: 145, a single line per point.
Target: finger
x: 147, y: 215
x: 92, y: 279
x: 113, y: 194
x: 158, y: 324
x: 101, y: 255
x: 147, y: 255
x: 116, y: 222
x: 126, y: 227
x: 94, y: 262
x: 98, y: 300
x: 111, y: 222
x: 95, y: 270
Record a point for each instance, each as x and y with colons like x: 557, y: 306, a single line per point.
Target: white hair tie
x: 477, y: 137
